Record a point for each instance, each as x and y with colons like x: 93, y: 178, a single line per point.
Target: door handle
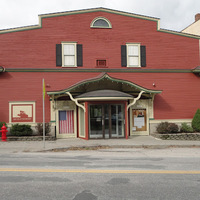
x: 102, y: 122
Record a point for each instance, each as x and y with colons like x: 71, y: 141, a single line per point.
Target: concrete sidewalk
x: 62, y: 144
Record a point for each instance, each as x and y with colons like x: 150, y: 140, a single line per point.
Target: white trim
x: 104, y: 98
x: 81, y: 121
x: 67, y: 135
x: 127, y: 56
x: 75, y: 54
x: 170, y: 120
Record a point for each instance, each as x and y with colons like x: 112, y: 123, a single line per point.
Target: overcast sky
x: 173, y: 14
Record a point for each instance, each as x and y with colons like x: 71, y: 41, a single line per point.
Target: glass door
x: 95, y: 121
x: 117, y: 121
x: 106, y: 121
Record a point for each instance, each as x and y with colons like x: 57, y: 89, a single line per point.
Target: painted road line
x: 100, y: 171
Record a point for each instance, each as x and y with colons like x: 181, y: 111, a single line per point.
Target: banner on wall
x: 22, y: 113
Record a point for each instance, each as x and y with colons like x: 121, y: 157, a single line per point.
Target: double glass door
x: 106, y: 121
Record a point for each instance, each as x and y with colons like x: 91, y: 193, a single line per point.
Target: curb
x: 102, y: 147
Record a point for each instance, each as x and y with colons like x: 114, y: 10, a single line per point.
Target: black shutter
x: 143, y: 56
x: 123, y: 56
x: 58, y: 55
x: 79, y: 55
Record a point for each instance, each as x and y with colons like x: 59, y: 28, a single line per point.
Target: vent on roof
x: 101, y: 63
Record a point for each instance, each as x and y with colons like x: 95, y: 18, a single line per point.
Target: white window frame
x: 103, y: 18
x: 75, y: 54
x: 128, y: 55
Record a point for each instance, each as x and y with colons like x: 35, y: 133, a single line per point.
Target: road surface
x: 107, y: 174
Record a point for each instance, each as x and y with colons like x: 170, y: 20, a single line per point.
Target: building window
x: 100, y: 22
x: 133, y: 55
x: 69, y: 54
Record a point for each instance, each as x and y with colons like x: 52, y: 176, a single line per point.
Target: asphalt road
x: 110, y: 174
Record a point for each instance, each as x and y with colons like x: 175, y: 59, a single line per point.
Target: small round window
x: 101, y: 22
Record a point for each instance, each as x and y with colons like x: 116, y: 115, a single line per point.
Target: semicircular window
x: 101, y: 22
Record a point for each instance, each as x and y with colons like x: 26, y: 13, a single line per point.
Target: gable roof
x: 100, y: 9
x: 193, y: 28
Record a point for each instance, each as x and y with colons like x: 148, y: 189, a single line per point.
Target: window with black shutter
x: 143, y: 56
x: 133, y: 55
x: 69, y: 54
x: 123, y: 56
x: 58, y: 55
x: 79, y: 55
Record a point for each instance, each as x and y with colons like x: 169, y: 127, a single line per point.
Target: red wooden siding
x: 36, y: 48
x: 179, y: 99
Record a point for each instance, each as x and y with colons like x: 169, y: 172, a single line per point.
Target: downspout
x: 134, y: 100
x: 76, y: 101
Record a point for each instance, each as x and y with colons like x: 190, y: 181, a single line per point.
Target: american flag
x: 66, y: 121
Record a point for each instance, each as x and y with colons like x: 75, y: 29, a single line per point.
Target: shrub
x: 196, y: 121
x: 21, y: 130
x: 166, y: 127
x: 162, y: 127
x: 39, y: 128
x: 1, y: 124
x: 185, y: 128
x: 172, y: 128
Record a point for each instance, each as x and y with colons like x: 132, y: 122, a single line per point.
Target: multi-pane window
x: 100, y: 22
x: 133, y: 55
x: 69, y: 54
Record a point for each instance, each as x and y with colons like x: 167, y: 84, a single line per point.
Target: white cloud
x: 174, y: 14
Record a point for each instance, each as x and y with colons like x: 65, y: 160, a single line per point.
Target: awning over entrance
x: 104, y: 82
x: 104, y: 94
x: 103, y: 107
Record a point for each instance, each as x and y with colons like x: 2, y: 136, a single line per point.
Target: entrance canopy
x: 104, y: 94
x: 104, y: 86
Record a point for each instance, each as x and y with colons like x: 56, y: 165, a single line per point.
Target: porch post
x: 126, y: 121
x: 86, y: 122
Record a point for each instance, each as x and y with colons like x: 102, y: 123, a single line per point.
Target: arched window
x: 100, y: 22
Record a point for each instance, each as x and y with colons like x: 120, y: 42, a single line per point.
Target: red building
x: 107, y: 73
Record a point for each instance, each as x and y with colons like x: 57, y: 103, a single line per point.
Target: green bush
x: 166, y: 127
x: 162, y: 127
x: 39, y: 128
x: 185, y: 128
x: 1, y: 124
x: 21, y: 130
x: 172, y: 128
x: 196, y: 121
